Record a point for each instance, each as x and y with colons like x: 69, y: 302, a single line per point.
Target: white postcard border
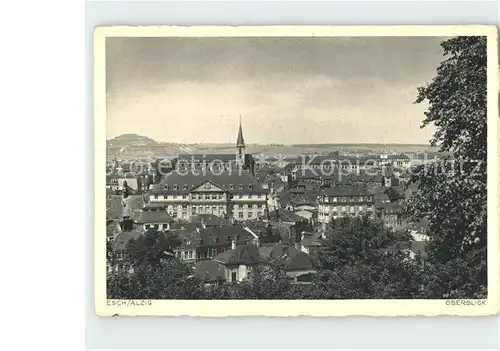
x: 320, y: 308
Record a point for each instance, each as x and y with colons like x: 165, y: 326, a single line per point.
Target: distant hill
x: 131, y: 140
x: 134, y: 145
x: 138, y: 146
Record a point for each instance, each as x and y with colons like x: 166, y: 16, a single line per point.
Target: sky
x: 286, y: 90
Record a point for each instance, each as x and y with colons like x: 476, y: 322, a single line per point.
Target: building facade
x: 344, y: 201
x: 227, y: 195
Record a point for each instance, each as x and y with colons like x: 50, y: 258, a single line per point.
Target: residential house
x: 391, y: 213
x: 231, y: 195
x: 297, y: 264
x: 239, y: 261
x: 420, y: 231
x: 310, y: 242
x: 343, y: 201
x: 159, y: 220
x: 289, y: 225
x: 206, y: 243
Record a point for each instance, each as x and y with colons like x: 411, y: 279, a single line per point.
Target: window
x: 240, y: 196
x: 249, y: 196
x: 216, y: 239
x: 166, y: 187
x: 250, y: 186
x: 175, y: 187
x: 231, y: 186
x: 233, y: 276
x: 240, y: 215
x: 240, y: 186
x: 190, y: 254
x: 184, y: 207
x: 147, y: 226
x: 184, y: 187
x: 207, y: 196
x: 184, y: 196
x: 220, y: 197
x: 214, y: 252
x: 174, y: 214
x: 156, y: 196
x: 214, y: 196
x: 184, y: 214
x: 250, y: 214
x: 174, y: 196
x: 259, y: 214
x: 200, y: 196
x: 193, y: 210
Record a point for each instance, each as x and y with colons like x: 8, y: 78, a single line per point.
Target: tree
x: 393, y: 194
x: 152, y: 248
x: 361, y: 259
x: 452, y: 191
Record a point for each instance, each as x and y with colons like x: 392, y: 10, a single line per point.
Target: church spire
x: 240, y: 142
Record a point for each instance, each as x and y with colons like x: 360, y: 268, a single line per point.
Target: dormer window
x: 241, y: 186
x: 175, y: 187
x: 250, y: 186
x: 231, y: 186
x: 184, y: 187
x: 166, y: 187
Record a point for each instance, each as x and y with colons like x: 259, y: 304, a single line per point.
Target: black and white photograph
x: 298, y: 167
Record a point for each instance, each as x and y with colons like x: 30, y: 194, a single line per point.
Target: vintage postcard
x: 296, y: 170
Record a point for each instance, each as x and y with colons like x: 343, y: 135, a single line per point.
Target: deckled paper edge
x: 289, y: 308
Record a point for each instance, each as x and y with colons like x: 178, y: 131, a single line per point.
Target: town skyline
x: 287, y: 90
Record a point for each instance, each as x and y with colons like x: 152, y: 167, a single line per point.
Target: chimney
x: 233, y: 244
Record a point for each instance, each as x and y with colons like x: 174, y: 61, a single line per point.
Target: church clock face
x: 208, y: 186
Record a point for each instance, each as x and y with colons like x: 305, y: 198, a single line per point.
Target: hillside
x: 128, y: 146
x: 131, y: 140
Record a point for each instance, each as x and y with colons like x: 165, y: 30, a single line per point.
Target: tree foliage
x: 362, y: 259
x: 452, y: 191
x: 393, y: 194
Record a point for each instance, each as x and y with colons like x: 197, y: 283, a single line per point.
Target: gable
x: 208, y: 187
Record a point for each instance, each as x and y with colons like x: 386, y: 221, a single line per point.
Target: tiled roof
x: 389, y: 206
x: 209, y: 268
x: 285, y: 216
x: 422, y: 225
x: 145, y: 217
x: 242, y: 255
x: 210, y: 220
x: 123, y: 239
x: 187, y: 181
x: 132, y: 203
x: 293, y: 259
x: 221, y: 236
x: 155, y: 205
x: 346, y: 191
x: 312, y: 240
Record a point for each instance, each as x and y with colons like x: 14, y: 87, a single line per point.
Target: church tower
x: 240, y: 148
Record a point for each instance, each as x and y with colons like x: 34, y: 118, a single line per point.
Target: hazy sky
x: 287, y: 90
